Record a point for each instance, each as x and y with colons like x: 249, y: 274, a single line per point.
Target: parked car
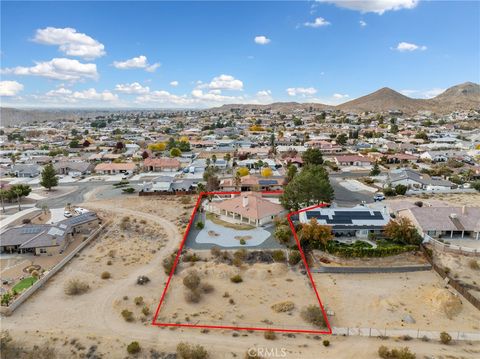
x: 378, y: 197
x: 67, y: 214
x: 79, y: 210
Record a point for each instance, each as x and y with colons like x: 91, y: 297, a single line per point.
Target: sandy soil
x: 263, y: 285
x: 321, y: 258
x: 383, y: 300
x: 74, y: 325
x: 440, y: 199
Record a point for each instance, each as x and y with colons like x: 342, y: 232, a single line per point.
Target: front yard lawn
x: 24, y: 284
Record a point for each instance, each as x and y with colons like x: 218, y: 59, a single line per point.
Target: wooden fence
x: 41, y: 282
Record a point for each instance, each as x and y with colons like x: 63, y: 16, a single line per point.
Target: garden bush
x: 278, y: 256
x: 127, y: 315
x: 326, y: 343
x: 105, y: 275
x: 473, y: 264
x: 294, y: 257
x: 404, y: 353
x: 200, y: 225
x: 445, y: 338
x: 76, y: 287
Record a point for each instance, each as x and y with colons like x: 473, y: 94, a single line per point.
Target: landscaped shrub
x: 326, y: 343
x: 128, y: 190
x: 473, y: 264
x: 138, y: 300
x: 76, y: 287
x: 270, y: 335
x: 314, y: 315
x: 389, y: 192
x: 215, y: 251
x: 445, y: 338
x: 236, y: 278
x: 294, y: 257
x: 278, y: 256
x: 283, y: 233
x: 191, y: 280
x: 192, y: 296
x: 105, y: 275
x: 133, y: 348
x: 242, y: 242
x: 401, y: 189
x: 360, y: 250
x: 127, y: 315
x: 200, y: 225
x: 190, y: 351
x: 404, y: 353
x: 35, y: 273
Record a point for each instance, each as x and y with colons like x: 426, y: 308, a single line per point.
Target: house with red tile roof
x: 161, y: 164
x: 250, y: 207
x: 114, y: 168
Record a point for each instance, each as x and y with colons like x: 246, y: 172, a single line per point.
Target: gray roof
x: 447, y: 218
x: 405, y: 173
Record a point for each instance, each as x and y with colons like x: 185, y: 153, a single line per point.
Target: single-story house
x: 252, y: 182
x: 114, y: 168
x: 412, y: 179
x: 162, y: 164
x: 49, y: 239
x: 26, y: 170
x: 446, y: 222
x: 250, y: 208
x: 357, y: 221
x: 353, y: 160
x: 73, y: 168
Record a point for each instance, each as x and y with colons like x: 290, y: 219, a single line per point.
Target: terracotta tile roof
x: 162, y: 162
x: 115, y: 167
x: 250, y: 205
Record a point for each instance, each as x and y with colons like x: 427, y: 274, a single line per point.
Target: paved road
x: 345, y: 197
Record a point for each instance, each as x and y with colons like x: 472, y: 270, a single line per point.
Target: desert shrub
x: 200, y: 225
x: 403, y: 353
x: 168, y: 263
x: 109, y: 263
x: 473, y: 264
x: 192, y: 296
x: 145, y: 310
x: 128, y: 190
x: 401, y: 189
x: 190, y: 351
x: 133, y: 348
x: 326, y: 343
x: 282, y: 307
x: 138, y: 300
x: 35, y: 273
x: 445, y: 338
x: 191, y: 280
x: 270, y: 335
x: 237, y: 262
x: 294, y: 257
x: 314, y: 315
x: 127, y: 315
x: 185, y: 200
x: 105, y: 275
x: 206, y: 288
x: 191, y: 257
x: 283, y: 233
x: 418, y: 203
x: 76, y: 287
x: 236, y: 278
x: 215, y: 251
x: 26, y: 221
x: 278, y: 256
x: 242, y: 242
x: 142, y: 279
x: 389, y: 192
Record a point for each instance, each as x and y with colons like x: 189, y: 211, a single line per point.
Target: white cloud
x: 165, y: 98
x: 339, y: 96
x: 362, y: 23
x: 62, y: 91
x: 174, y: 83
x: 70, y: 42
x: 423, y: 93
x: 69, y: 96
x: 140, y: 62
x: 376, y: 6
x: 318, y: 22
x: 58, y: 69
x: 133, y: 88
x: 10, y: 88
x: 213, y: 96
x: 223, y: 82
x: 92, y: 94
x: 301, y: 91
x: 406, y: 46
x: 262, y: 40
x: 263, y: 97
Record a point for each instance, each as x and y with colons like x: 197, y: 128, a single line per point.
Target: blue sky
x: 199, y: 54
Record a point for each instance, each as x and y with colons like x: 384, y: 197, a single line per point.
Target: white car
x: 378, y: 197
x: 67, y: 214
x: 80, y: 210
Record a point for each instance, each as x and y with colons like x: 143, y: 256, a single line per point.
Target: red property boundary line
x: 206, y: 326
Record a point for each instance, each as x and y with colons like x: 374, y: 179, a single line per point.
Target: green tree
x: 19, y: 191
x: 341, y: 139
x: 175, y: 152
x: 4, y: 194
x: 403, y: 231
x: 312, y: 156
x: 309, y: 187
x: 375, y: 170
x: 401, y: 189
x: 315, y: 234
x: 291, y: 172
x: 74, y: 143
x: 49, y: 178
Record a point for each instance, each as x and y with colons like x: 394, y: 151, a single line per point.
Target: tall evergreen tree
x: 49, y: 177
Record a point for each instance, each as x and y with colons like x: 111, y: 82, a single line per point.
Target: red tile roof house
x: 353, y: 160
x: 249, y: 207
x: 163, y: 164
x: 251, y: 182
x: 114, y: 168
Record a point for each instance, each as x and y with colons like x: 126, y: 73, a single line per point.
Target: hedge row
x: 352, y: 252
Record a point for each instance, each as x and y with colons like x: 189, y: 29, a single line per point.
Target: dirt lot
x: 244, y: 304
x: 383, y: 300
x: 91, y: 325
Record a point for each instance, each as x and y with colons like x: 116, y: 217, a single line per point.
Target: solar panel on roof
x: 266, y: 182
x: 31, y: 230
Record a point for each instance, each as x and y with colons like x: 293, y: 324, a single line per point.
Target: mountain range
x: 465, y: 96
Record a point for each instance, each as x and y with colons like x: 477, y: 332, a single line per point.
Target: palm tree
x: 237, y: 180
x: 18, y: 192
x: 3, y: 196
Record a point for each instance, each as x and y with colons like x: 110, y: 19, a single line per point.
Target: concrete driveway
x: 225, y: 237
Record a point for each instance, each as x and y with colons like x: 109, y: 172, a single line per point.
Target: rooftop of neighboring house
x: 128, y: 166
x: 446, y: 218
x: 162, y: 162
x: 409, y: 174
